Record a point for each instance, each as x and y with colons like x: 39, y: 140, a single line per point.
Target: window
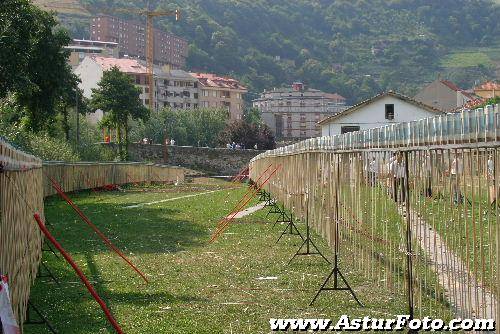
x: 195, y: 95
x: 205, y: 93
x: 389, y: 111
x: 349, y: 128
x: 214, y: 93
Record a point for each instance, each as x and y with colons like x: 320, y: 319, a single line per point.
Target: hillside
x: 355, y: 47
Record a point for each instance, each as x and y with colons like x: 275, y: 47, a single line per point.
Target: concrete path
x: 462, y: 289
x: 248, y: 211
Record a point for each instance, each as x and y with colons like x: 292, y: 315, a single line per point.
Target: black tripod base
x: 336, y: 273
x: 291, y: 229
x: 308, y: 243
x: 42, y: 321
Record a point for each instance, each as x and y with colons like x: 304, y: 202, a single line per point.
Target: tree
x: 119, y: 99
x: 192, y: 127
x: 71, y: 97
x: 252, y: 116
x: 33, y: 61
x: 248, y: 134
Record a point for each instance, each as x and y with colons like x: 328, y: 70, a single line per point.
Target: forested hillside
x: 354, y: 47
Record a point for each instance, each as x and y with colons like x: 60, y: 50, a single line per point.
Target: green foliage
x: 194, y: 127
x: 248, y: 134
x: 491, y: 101
x: 38, y: 144
x: 33, y: 62
x: 118, y: 98
x: 399, y: 43
x: 53, y: 146
x: 252, y: 116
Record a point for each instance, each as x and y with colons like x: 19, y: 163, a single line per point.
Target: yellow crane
x: 150, y: 48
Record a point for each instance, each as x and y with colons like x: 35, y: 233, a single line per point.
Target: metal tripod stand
x: 336, y: 274
x: 308, y: 243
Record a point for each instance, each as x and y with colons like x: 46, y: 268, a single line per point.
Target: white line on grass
x: 248, y: 211
x: 175, y: 198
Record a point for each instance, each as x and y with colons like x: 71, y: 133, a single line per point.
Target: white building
x: 293, y: 112
x: 383, y: 109
x: 176, y: 89
x: 173, y: 88
x: 91, y: 69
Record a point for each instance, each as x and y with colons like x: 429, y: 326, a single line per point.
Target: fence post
x: 409, y: 262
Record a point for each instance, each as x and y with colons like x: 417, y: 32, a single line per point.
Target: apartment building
x: 91, y: 69
x: 131, y: 38
x: 221, y: 92
x: 80, y: 48
x: 293, y: 112
x: 176, y: 89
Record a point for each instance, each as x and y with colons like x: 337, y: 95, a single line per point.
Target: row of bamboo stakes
x: 441, y: 200
x: 25, y: 182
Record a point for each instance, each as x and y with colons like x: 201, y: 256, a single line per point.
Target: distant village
x: 293, y: 113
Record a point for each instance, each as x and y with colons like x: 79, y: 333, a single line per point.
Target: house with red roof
x: 383, y: 109
x: 221, y: 92
x: 444, y: 95
x: 488, y: 90
x: 91, y: 69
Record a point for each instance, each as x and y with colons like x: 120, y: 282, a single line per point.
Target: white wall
x: 373, y: 116
x: 90, y: 73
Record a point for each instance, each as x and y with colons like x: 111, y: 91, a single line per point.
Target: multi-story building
x: 488, y: 90
x: 175, y: 89
x: 221, y: 92
x: 91, y: 69
x: 80, y: 48
x: 443, y: 95
x: 131, y: 38
x: 293, y: 113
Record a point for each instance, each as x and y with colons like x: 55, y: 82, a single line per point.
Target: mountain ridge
x: 356, y: 48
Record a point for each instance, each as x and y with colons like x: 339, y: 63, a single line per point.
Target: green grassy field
x: 195, y: 287
x: 487, y: 56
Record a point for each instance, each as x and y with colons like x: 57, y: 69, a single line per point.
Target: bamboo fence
x: 24, y: 182
x: 416, y: 205
x: 21, y: 195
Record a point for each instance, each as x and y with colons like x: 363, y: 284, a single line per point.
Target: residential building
x: 176, y: 89
x: 383, y: 109
x: 293, y: 112
x: 488, y: 90
x: 131, y: 37
x: 221, y: 92
x: 80, y: 48
x: 443, y: 95
x: 91, y: 69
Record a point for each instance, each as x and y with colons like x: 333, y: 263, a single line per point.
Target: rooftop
x: 124, y: 65
x: 489, y: 85
x: 375, y: 98
x: 213, y: 80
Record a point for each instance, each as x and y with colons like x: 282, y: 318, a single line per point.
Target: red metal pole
x: 80, y: 274
x: 227, y: 220
x: 61, y: 193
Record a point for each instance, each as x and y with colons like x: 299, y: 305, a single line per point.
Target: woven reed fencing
x: 21, y: 194
x: 24, y: 182
x: 415, y: 204
x: 89, y: 175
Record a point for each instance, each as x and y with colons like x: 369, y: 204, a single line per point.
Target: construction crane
x: 150, y: 49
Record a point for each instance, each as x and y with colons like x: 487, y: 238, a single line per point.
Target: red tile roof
x: 455, y: 88
x: 451, y: 85
x: 212, y: 80
x: 377, y: 97
x: 489, y: 85
x: 124, y: 65
x: 335, y: 96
